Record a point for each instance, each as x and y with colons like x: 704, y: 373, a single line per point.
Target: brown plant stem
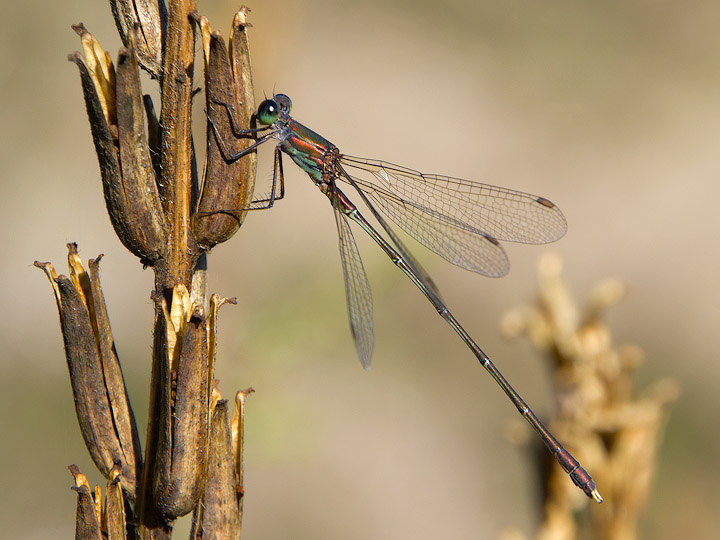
x: 176, y: 148
x: 175, y: 183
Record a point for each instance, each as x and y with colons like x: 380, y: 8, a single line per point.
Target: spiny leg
x: 261, y: 204
x: 227, y: 154
x: 236, y: 129
x: 277, y: 182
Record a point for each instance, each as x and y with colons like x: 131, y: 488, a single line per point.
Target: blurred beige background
x: 612, y: 110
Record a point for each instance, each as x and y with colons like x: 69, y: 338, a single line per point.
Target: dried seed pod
x: 140, y: 208
x: 228, y: 186
x: 145, y: 23
x: 154, y: 135
x: 237, y: 429
x: 217, y: 513
x: 93, y: 521
x: 88, y: 517
x: 102, y: 406
x: 185, y: 387
x: 115, y: 519
x: 115, y: 111
x: 184, y: 415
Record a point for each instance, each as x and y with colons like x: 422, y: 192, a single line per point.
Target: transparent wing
x: 416, y: 268
x: 357, y: 289
x: 423, y: 218
x: 500, y: 213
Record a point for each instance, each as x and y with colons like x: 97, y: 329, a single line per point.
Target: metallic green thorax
x: 306, y: 148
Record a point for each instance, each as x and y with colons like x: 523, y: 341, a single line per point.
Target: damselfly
x: 459, y: 220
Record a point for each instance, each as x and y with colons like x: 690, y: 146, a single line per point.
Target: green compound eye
x: 268, y: 112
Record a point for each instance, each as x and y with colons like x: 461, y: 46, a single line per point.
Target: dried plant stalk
x: 152, y: 190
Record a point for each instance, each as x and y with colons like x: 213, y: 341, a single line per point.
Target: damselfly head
x: 271, y: 109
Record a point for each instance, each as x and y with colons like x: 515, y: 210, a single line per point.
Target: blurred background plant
x: 611, y: 111
x: 598, y: 412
